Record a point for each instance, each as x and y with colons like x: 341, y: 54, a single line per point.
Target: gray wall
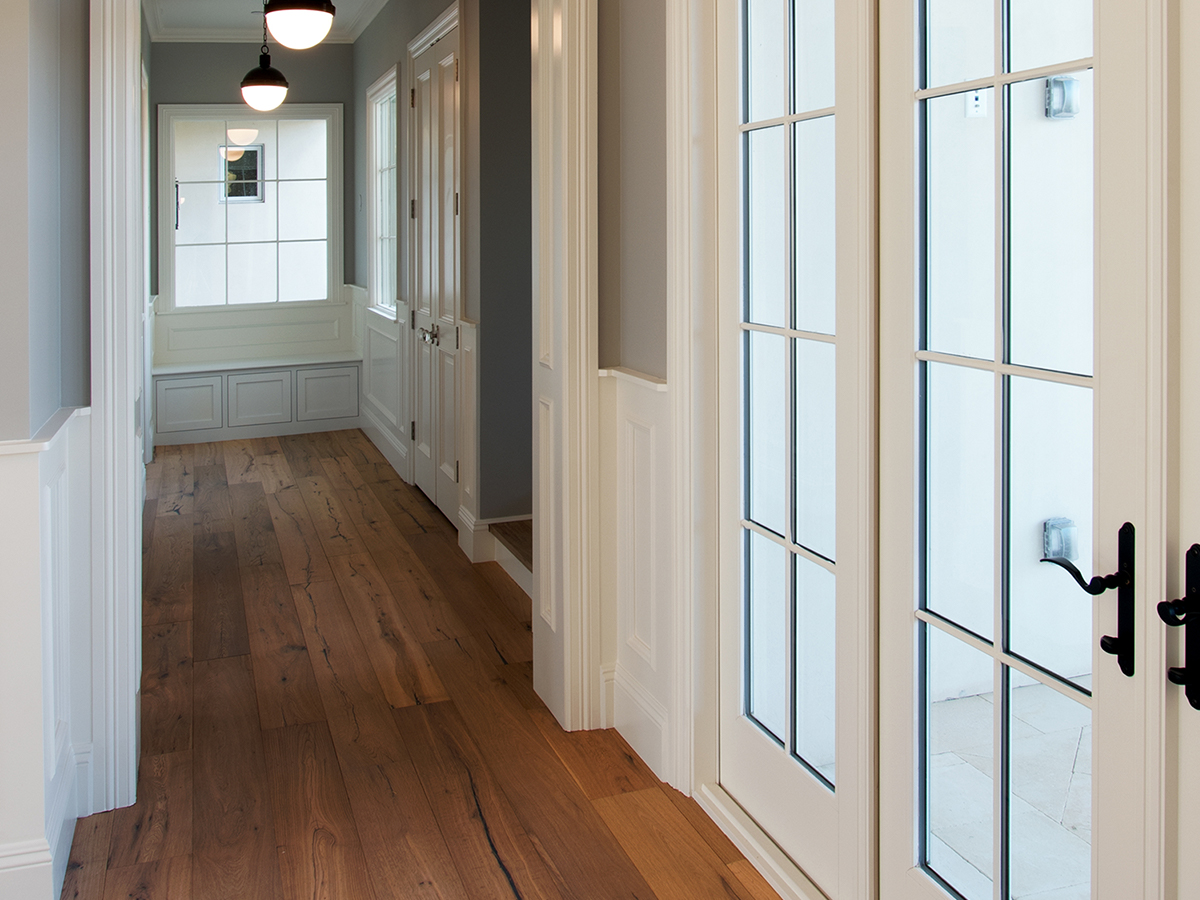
x: 213, y: 73
x: 57, y: 265
x: 632, y: 175
x: 505, y: 274
x: 384, y: 44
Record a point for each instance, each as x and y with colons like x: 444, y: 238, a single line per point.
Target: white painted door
x: 434, y: 228
x: 797, y: 460
x: 1021, y: 418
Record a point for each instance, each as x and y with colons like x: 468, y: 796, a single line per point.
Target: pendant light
x: 299, y: 24
x: 265, y: 87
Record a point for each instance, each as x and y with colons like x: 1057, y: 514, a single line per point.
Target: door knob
x: 1119, y: 645
x: 1185, y: 613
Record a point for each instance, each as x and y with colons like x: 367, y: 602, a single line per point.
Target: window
x: 250, y: 212
x: 381, y: 164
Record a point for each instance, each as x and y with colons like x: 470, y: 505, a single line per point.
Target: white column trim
x: 116, y: 283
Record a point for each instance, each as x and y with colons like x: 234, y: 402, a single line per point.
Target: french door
x: 1021, y: 419
x: 436, y: 254
x: 797, y: 348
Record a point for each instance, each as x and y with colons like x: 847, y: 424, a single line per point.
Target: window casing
x: 382, y: 144
x: 250, y: 206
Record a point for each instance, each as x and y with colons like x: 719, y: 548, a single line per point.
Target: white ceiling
x: 233, y: 21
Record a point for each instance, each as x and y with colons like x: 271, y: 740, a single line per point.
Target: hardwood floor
x: 337, y: 704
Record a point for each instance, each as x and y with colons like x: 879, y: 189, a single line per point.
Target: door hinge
x: 413, y: 430
x: 456, y: 203
x: 456, y: 471
x: 412, y: 98
x: 456, y: 70
x: 413, y: 208
x: 412, y: 320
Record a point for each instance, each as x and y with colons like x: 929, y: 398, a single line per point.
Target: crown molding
x: 342, y: 33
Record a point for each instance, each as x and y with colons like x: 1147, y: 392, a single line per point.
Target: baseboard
x: 26, y: 870
x: 386, y: 441
x: 608, y: 678
x: 474, y: 538
x: 239, y: 432
x: 764, y: 854
x: 514, y: 567
x: 642, y: 721
x: 61, y: 810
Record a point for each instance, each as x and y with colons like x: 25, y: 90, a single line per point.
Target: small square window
x: 243, y: 175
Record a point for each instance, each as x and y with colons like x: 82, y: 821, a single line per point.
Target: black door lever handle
x: 1119, y: 645
x: 1185, y: 612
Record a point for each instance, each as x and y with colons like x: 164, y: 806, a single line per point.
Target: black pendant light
x: 299, y: 24
x: 264, y: 88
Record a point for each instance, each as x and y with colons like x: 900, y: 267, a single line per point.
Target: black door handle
x: 1186, y: 612
x: 1121, y: 644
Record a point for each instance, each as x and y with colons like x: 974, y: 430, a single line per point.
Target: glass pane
x: 1050, y: 805
x: 816, y: 683
x: 766, y: 59
x: 766, y: 226
x: 302, y: 211
x: 200, y: 275
x: 1050, y: 478
x: 261, y: 132
x: 961, y: 182
x: 252, y: 273
x: 302, y: 148
x: 815, y: 420
x: 254, y: 221
x: 196, y: 144
x: 960, y: 496
x: 959, y: 764
x: 766, y: 430
x: 961, y: 40
x: 814, y: 42
x: 816, y: 231
x: 1051, y: 234
x: 767, y: 614
x: 1042, y: 34
x: 201, y: 214
x: 303, y: 271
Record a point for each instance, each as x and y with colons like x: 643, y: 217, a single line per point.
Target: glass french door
x: 797, y: 461
x: 1017, y: 305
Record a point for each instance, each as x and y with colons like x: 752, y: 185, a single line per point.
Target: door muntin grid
x: 1002, y: 374
x: 789, y: 357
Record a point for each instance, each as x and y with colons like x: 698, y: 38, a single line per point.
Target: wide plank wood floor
x: 337, y: 705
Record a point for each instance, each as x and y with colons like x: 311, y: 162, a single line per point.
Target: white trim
x: 515, y: 568
x: 116, y: 276
x: 341, y: 33
x: 384, y: 438
x: 474, y: 538
x: 434, y: 32
x: 386, y: 85
x: 633, y: 376
x: 24, y: 854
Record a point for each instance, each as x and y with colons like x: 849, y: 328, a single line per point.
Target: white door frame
x: 116, y: 287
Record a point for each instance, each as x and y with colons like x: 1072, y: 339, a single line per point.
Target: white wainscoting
x: 238, y: 337
x: 385, y: 412
x: 46, y: 777
x: 636, y: 551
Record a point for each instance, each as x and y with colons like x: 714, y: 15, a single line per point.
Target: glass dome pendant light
x: 299, y: 24
x: 264, y: 88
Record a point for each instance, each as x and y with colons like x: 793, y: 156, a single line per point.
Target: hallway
x: 336, y: 704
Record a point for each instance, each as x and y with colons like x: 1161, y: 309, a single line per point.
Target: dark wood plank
x: 159, y: 825
x: 84, y: 880
x: 304, y: 452
x: 208, y: 454
x: 176, y: 484
x: 518, y: 678
x: 283, y: 676
x: 514, y: 597
x: 153, y: 479
x: 705, y: 827
x: 337, y: 532
x: 547, y: 800
x: 271, y: 465
x: 168, y: 879
x: 400, y: 663
x: 601, y: 763
x: 674, y: 859
x: 361, y: 451
x: 166, y: 688
x: 240, y: 466
x: 405, y: 852
x: 303, y: 556
x: 212, y: 511
x: 149, y: 514
x: 754, y: 883
x: 494, y: 856
x: 168, y: 593
x: 518, y: 538
x: 252, y: 525
x: 319, y: 851
x: 92, y: 838
x: 233, y: 825
x: 411, y: 514
x: 218, y: 614
x: 473, y: 599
